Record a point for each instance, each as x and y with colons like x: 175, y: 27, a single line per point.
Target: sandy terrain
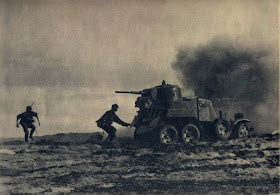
x: 78, y: 163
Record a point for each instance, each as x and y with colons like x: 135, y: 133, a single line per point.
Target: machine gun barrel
x: 130, y: 92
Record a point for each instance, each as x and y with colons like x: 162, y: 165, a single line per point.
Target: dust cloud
x: 239, y: 76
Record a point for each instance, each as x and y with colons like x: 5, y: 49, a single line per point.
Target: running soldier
x: 105, y: 122
x: 26, y: 121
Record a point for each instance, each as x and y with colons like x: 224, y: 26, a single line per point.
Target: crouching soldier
x: 26, y: 121
x: 105, y: 122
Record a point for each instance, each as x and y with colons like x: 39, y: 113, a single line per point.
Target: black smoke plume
x: 226, y: 70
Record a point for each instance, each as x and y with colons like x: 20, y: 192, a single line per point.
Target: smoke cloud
x: 248, y: 76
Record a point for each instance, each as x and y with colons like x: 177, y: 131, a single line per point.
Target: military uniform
x: 26, y: 121
x: 105, y: 122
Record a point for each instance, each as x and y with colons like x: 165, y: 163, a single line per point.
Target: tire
x: 167, y: 135
x: 190, y: 134
x: 241, y: 130
x: 223, y: 129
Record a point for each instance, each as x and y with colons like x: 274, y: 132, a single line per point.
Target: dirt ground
x: 79, y: 164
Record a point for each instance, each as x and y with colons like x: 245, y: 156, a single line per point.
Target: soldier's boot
x: 25, y: 132
x: 107, y: 139
x: 112, y: 136
x: 31, y: 133
x: 26, y: 137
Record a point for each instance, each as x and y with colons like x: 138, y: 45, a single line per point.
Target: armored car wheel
x: 242, y: 131
x: 168, y: 134
x: 190, y: 134
x: 223, y: 129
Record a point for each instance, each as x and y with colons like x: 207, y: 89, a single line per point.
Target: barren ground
x: 78, y: 163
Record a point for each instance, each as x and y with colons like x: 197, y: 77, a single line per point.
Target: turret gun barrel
x: 130, y: 92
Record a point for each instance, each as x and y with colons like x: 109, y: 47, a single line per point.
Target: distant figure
x: 26, y: 121
x: 105, y: 122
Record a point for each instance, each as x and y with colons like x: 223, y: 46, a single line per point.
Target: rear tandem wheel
x: 242, y: 130
x: 223, y: 129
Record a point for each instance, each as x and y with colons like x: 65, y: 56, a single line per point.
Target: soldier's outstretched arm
x: 17, y: 123
x: 119, y: 121
x: 38, y: 119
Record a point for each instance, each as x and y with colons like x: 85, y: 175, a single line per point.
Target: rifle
x: 32, y: 103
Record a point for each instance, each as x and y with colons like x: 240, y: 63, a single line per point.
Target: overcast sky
x: 70, y: 56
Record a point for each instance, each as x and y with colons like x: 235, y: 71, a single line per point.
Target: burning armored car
x: 165, y: 116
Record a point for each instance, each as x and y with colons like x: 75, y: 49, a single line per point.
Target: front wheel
x: 242, y: 131
x: 190, y: 134
x: 223, y: 129
x: 168, y: 134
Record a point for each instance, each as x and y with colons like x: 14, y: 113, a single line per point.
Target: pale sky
x: 70, y: 56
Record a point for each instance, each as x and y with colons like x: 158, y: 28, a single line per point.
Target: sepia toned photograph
x: 139, y: 97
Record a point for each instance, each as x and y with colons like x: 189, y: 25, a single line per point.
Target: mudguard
x: 240, y: 120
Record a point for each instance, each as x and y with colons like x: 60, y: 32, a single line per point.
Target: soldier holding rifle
x: 26, y: 121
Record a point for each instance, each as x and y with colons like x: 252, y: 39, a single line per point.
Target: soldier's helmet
x: 115, y: 107
x: 28, y: 108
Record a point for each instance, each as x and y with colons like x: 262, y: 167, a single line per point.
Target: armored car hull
x: 165, y: 116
